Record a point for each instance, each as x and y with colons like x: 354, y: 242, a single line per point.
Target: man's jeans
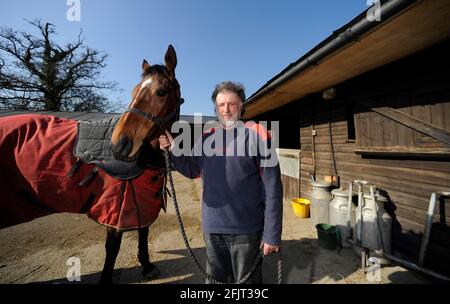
x: 231, y: 256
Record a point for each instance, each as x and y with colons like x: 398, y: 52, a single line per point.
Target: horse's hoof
x: 151, y: 273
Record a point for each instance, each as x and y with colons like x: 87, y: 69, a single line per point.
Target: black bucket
x: 329, y: 236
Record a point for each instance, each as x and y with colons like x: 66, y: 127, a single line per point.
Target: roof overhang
x: 414, y: 28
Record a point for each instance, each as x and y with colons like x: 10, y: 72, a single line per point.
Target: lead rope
x: 213, y: 280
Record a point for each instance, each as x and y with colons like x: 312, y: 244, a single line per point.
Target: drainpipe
x: 351, y: 34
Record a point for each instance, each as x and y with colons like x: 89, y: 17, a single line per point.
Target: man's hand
x: 165, y: 141
x: 268, y: 249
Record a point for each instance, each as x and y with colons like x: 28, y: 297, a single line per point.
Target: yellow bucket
x: 301, y: 207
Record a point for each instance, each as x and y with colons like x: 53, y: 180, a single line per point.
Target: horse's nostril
x: 123, y: 140
x: 123, y: 147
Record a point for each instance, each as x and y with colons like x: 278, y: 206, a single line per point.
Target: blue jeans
x: 231, y: 256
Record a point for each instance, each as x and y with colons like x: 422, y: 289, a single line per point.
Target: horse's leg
x: 112, y: 246
x: 149, y: 269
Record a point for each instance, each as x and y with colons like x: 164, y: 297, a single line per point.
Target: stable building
x: 372, y: 102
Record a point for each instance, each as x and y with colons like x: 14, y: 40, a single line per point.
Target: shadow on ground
x: 304, y: 262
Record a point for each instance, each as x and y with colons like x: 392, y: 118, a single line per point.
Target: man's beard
x: 228, y: 123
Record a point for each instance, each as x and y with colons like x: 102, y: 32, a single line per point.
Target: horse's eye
x: 161, y: 92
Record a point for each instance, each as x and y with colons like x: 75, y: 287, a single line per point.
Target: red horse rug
x: 44, y: 168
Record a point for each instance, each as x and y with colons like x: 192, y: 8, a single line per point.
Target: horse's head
x: 154, y: 107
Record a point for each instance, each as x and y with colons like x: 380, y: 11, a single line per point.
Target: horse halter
x: 154, y: 118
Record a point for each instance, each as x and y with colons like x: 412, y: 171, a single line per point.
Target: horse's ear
x: 145, y: 65
x: 171, y: 60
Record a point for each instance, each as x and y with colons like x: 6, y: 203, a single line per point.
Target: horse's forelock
x: 154, y: 69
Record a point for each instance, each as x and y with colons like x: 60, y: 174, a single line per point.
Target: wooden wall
x: 417, y: 85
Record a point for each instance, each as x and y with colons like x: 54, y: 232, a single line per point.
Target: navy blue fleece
x: 239, y: 196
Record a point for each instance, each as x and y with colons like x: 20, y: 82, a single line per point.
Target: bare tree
x: 36, y: 73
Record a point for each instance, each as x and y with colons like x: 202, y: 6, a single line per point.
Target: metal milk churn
x: 320, y: 199
x: 339, y: 215
x: 373, y: 225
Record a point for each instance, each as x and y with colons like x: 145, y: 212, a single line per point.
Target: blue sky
x: 249, y: 41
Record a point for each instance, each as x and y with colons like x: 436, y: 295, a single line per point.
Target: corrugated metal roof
x: 87, y: 116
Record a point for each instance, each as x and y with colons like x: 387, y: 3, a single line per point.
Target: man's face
x: 228, y: 107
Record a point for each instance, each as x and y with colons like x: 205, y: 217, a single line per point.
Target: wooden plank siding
x: 417, y: 85
x: 384, y: 132
x: 408, y: 182
x: 416, y: 179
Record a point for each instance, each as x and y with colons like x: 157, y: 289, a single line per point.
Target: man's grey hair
x: 231, y: 86
x: 235, y: 87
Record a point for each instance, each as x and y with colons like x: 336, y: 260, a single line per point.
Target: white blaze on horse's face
x: 157, y: 94
x: 135, y: 128
x: 144, y: 84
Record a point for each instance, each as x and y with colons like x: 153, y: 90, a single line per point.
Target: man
x: 242, y: 195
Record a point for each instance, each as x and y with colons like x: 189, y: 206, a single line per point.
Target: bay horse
x: 112, y: 170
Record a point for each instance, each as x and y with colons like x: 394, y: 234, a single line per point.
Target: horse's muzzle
x: 122, y: 149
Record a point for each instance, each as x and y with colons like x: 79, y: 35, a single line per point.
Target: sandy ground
x: 39, y: 251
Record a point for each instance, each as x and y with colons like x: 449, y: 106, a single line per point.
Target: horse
x: 50, y: 164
